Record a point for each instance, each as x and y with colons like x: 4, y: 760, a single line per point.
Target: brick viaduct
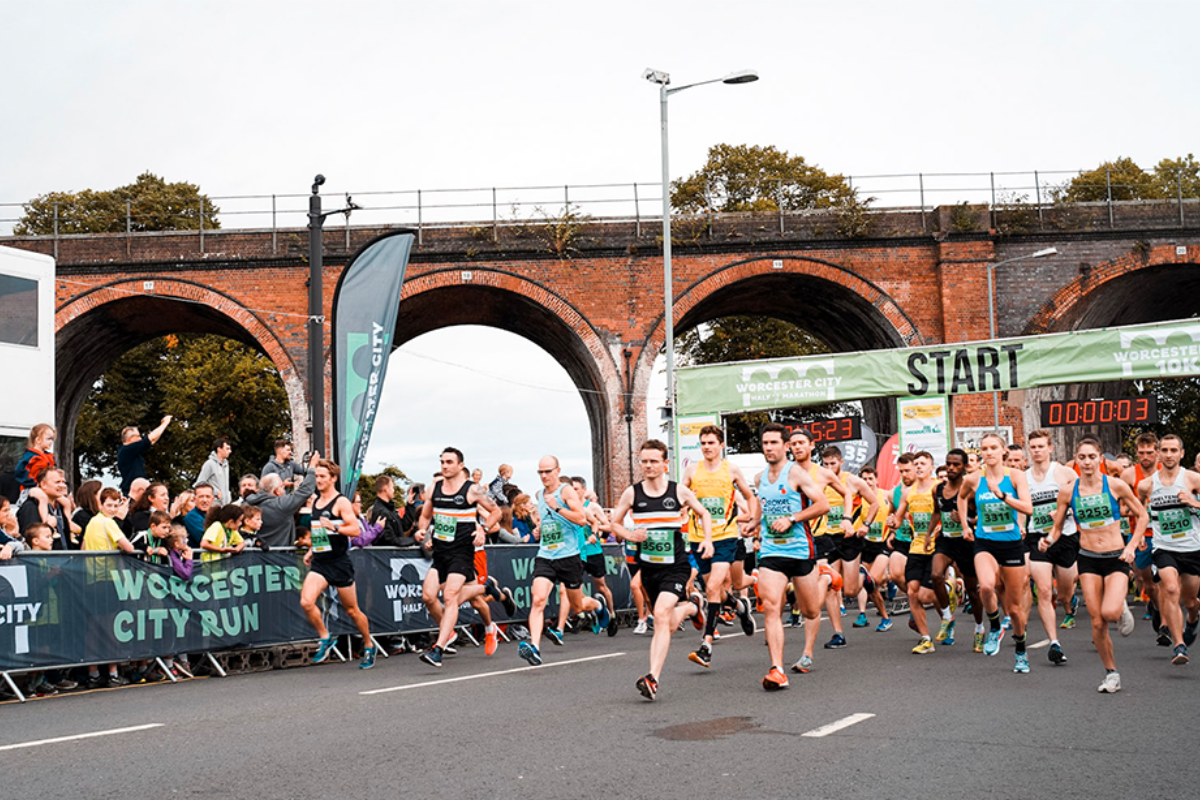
x: 591, y: 294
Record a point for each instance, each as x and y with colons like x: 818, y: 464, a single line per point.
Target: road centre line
x: 76, y: 737
x: 488, y: 674
x: 834, y: 727
x: 1038, y: 645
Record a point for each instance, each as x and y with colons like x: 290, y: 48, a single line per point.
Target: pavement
x: 871, y: 720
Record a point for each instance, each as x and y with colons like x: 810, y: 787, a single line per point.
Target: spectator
x: 184, y: 502
x: 383, y: 512
x: 247, y: 486
x: 496, y: 487
x: 251, y: 524
x: 49, y: 504
x: 506, y: 534
x: 87, y: 503
x: 477, y: 477
x: 180, y: 556
x: 279, y: 508
x: 131, y: 455
x: 194, y: 520
x: 104, y: 532
x: 9, y: 543
x: 281, y: 464
x: 37, y: 457
x: 368, y: 531
x: 222, y: 537
x: 215, y: 471
x: 153, y: 540
x: 412, y: 509
x: 155, y: 498
x: 524, y: 518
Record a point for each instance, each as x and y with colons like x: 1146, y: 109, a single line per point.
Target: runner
x: 790, y: 500
x: 918, y: 508
x: 875, y: 553
x: 714, y: 480
x: 333, y: 526
x: 591, y: 551
x: 1103, y: 557
x: 1050, y: 566
x: 1000, y: 494
x: 848, y: 533
x: 657, y: 505
x: 952, y: 548
x: 1170, y: 494
x: 563, y: 529
x: 1146, y: 446
x: 899, y: 530
x: 449, y: 520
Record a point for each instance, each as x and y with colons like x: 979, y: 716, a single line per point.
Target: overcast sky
x: 255, y: 97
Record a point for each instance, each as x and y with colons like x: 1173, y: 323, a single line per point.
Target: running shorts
x: 338, y: 571
x: 724, y: 552
x: 1184, y: 563
x: 567, y: 571
x: 672, y: 578
x: 1102, y: 564
x: 848, y: 547
x: 919, y: 568
x: 872, y: 551
x: 791, y: 567
x: 960, y: 551
x: 454, y: 561
x: 1062, y: 553
x: 825, y: 548
x: 595, y: 566
x: 1007, y: 554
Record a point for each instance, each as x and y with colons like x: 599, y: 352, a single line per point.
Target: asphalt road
x: 950, y: 724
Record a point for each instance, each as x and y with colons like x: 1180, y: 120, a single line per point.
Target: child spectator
x: 153, y: 540
x: 368, y: 531
x: 103, y: 532
x: 179, y: 553
x: 10, y: 545
x: 252, y: 522
x: 37, y: 457
x: 87, y: 503
x: 222, y: 535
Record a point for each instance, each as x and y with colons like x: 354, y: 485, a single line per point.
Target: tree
x: 366, y: 485
x: 153, y: 204
x: 753, y: 178
x: 212, y: 385
x: 744, y: 338
x: 1173, y: 175
x: 1128, y: 182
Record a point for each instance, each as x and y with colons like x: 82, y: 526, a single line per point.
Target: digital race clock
x: 1122, y: 411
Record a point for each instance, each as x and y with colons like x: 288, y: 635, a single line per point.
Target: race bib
x: 921, y: 520
x: 1174, y: 523
x: 320, y: 539
x: 1043, y: 518
x: 659, y: 547
x: 995, y: 516
x: 1093, y: 511
x: 786, y: 537
x: 875, y: 532
x: 836, y: 515
x: 950, y: 527
x: 715, y: 507
x: 445, y: 527
x: 552, y: 534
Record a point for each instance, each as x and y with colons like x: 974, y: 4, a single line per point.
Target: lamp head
x: 657, y: 76
x: 1049, y: 251
x: 741, y: 76
x: 318, y: 182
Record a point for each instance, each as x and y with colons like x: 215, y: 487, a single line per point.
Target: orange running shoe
x: 775, y: 680
x: 490, y: 643
x: 835, y: 580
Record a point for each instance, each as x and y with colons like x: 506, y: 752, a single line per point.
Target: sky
x: 254, y: 98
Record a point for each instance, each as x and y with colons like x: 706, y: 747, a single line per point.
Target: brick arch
x: 446, y: 297
x: 97, y: 325
x: 1070, y: 304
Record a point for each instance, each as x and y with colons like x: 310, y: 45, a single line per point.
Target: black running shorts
x: 337, y: 571
x: 457, y: 560
x: 672, y: 578
x: 567, y: 571
x: 1187, y: 563
x: 791, y: 567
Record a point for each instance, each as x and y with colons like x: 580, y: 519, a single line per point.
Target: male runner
x: 1051, y: 566
x: 1000, y: 494
x: 875, y: 553
x: 450, y: 517
x: 1015, y: 457
x: 591, y: 550
x: 918, y: 508
x: 333, y: 526
x: 952, y: 548
x: 658, y: 505
x: 849, y: 520
x: 1146, y: 445
x: 1170, y: 495
x: 900, y: 532
x: 714, y: 480
x: 1104, y: 558
x: 789, y: 500
x: 562, y: 531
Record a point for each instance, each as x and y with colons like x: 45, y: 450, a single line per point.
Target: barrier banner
x: 80, y: 608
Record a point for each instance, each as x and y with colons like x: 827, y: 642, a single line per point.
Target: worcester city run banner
x: 365, y: 305
x: 1133, y: 352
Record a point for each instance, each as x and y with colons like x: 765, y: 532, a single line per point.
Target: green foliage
x: 745, y: 338
x: 1129, y: 182
x: 212, y: 385
x: 154, y: 205
x: 1173, y: 174
x: 366, y: 486
x: 753, y: 178
x: 962, y: 217
x: 1178, y: 413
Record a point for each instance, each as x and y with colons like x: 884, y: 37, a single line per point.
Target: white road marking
x: 1038, y: 645
x: 834, y: 727
x: 488, y: 674
x: 76, y: 737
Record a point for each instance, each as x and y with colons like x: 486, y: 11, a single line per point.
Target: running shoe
x: 324, y: 647
x: 1074, y: 605
x: 1164, y: 637
x: 836, y: 643
x: 368, y: 659
x: 716, y: 636
x: 116, y: 679
x: 640, y: 629
x: 946, y: 630
x: 650, y: 621
x: 603, y: 616
x: 648, y: 686
x: 450, y: 649
x: 842, y: 609
x: 508, y: 601
x: 1125, y: 625
x: 991, y: 645
x: 702, y: 655
x: 613, y: 626
x: 978, y: 643
x: 797, y: 620
x: 861, y: 621
x: 923, y: 647
x: 1006, y: 624
x: 1068, y: 622
x: 530, y: 653
x: 952, y: 594
x: 42, y: 689
x: 1189, y: 632
x: 553, y: 634
x: 66, y: 685
x: 745, y: 617
x: 697, y: 618
x: 1056, y: 655
x: 1181, y: 656
x: 884, y: 625
x: 1022, y: 664
x: 912, y: 623
x: 775, y: 680
x: 94, y: 682
x: 432, y: 657
x: 1155, y: 617
x: 490, y: 642
x: 804, y: 665
x: 1111, y: 684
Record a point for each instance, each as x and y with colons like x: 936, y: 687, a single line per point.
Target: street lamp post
x: 991, y: 268
x: 663, y: 79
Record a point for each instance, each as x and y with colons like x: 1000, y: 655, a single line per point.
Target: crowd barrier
x: 67, y: 609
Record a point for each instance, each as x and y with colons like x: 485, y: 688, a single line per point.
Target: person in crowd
x: 505, y: 534
x: 196, y: 520
x: 384, y: 514
x: 215, y: 471
x: 10, y: 542
x: 496, y: 487
x: 104, y: 533
x: 281, y: 464
x: 279, y: 508
x: 251, y: 524
x: 49, y: 503
x: 247, y: 485
x: 182, y: 505
x: 525, y: 518
x: 36, y: 458
x: 368, y: 531
x: 221, y: 538
x: 131, y: 455
x: 153, y: 540
x: 179, y: 554
x: 415, y: 499
x: 156, y: 498
x: 87, y: 503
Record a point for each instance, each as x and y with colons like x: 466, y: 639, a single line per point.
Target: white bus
x: 26, y: 349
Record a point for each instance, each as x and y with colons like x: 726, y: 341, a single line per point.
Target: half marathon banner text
x: 1134, y: 352
x: 84, y: 608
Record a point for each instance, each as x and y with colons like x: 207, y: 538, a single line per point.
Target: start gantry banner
x: 1134, y: 352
